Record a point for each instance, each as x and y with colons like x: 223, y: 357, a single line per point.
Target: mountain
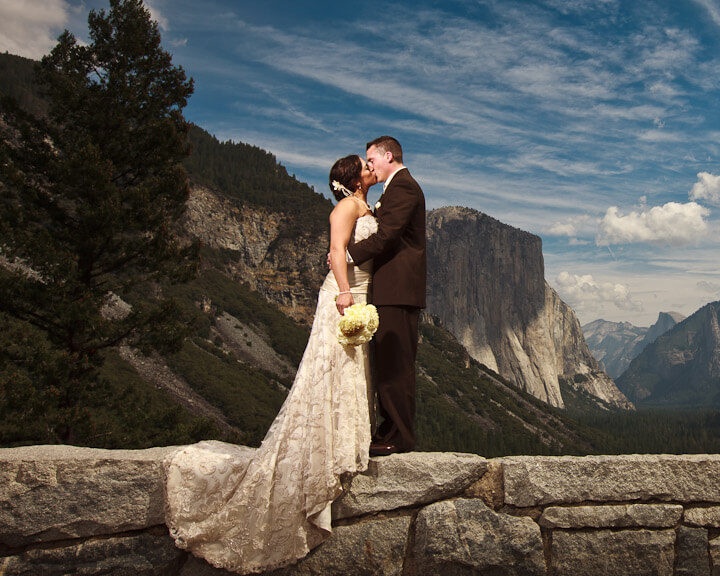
x: 665, y: 321
x: 615, y: 344
x: 681, y: 367
x: 486, y: 282
x: 264, y: 237
x: 612, y: 343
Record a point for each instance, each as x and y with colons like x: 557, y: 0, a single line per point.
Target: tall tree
x: 91, y: 199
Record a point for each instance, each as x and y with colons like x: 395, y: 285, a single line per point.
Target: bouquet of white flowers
x: 358, y: 325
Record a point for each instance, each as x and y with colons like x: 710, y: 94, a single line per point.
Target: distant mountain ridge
x: 681, y: 367
x: 615, y: 344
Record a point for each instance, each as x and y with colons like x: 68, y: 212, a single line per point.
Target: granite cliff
x: 486, y: 283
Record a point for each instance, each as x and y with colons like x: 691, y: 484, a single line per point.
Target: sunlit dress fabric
x: 249, y: 510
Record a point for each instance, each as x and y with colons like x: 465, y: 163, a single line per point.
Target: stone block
x: 714, y: 547
x: 458, y: 537
x: 144, y: 554
x: 490, y: 487
x: 707, y: 517
x: 199, y: 567
x: 540, y: 480
x: 692, y: 552
x: 410, y: 479
x: 612, y: 516
x: 374, y: 547
x: 57, y: 492
x: 611, y: 553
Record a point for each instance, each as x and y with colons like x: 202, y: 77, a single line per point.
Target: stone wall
x: 68, y: 510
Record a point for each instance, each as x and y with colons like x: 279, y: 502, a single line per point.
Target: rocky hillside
x: 486, y: 283
x: 682, y: 367
x: 615, y: 344
x: 247, y: 244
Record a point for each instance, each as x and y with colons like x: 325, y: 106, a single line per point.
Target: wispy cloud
x: 712, y: 8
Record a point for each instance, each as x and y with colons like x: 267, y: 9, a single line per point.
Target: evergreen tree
x: 90, y: 202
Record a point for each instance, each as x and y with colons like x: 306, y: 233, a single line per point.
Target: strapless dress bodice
x: 359, y: 276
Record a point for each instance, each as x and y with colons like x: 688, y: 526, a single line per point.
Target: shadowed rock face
x: 486, y: 283
x: 681, y: 367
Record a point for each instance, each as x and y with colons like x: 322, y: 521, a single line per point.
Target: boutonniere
x: 378, y: 204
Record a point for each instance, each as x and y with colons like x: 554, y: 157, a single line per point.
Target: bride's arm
x: 342, y: 220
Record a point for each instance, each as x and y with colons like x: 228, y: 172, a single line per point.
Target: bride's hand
x: 343, y: 301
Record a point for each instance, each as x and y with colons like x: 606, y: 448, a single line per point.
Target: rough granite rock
x: 371, y: 548
x: 198, y: 567
x: 486, y: 283
x: 610, y: 553
x: 490, y: 487
x: 57, y: 492
x: 409, y: 479
x: 612, y: 516
x: 692, y: 552
x: 708, y: 517
x: 257, y: 250
x: 459, y: 537
x: 142, y: 554
x: 714, y: 547
x: 538, y: 480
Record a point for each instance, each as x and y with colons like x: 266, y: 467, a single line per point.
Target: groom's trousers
x: 396, y: 342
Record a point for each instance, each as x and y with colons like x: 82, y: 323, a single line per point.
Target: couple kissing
x: 251, y: 511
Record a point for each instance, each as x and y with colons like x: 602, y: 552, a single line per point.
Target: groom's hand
x: 329, y: 264
x: 344, y: 301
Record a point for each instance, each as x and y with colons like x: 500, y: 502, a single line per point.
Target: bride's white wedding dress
x: 251, y: 510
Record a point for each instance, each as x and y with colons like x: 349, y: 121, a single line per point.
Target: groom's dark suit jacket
x: 398, y: 248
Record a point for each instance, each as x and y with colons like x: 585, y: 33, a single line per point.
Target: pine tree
x: 91, y: 198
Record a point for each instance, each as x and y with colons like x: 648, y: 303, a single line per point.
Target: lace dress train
x: 251, y: 510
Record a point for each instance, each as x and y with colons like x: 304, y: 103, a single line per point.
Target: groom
x: 398, y: 253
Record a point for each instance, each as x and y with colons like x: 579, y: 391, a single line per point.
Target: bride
x: 251, y: 510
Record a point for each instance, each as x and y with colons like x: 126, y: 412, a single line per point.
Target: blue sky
x: 592, y: 123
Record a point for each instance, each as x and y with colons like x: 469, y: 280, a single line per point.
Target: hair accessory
x: 337, y: 186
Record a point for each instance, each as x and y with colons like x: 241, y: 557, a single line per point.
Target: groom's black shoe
x: 378, y: 449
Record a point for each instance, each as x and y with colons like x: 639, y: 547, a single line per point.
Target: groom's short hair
x: 388, y: 144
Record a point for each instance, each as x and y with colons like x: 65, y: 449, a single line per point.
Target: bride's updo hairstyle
x: 347, y: 172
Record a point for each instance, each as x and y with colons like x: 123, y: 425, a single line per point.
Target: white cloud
x: 671, y: 224
x: 562, y: 229
x: 585, y: 294
x: 570, y: 227
x: 706, y: 188
x: 30, y: 27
